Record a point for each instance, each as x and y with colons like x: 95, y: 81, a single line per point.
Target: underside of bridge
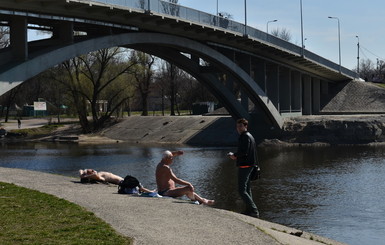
x: 249, y: 77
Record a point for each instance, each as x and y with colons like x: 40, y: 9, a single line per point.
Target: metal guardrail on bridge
x: 193, y: 15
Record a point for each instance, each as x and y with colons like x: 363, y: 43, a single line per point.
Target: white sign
x: 40, y: 106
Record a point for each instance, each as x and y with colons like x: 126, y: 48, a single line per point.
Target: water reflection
x: 332, y: 191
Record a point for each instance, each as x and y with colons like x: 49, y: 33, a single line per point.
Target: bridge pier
x: 259, y: 70
x: 64, y: 32
x: 306, y: 95
x: 272, y: 84
x: 19, y: 38
x: 296, y: 92
x: 284, y: 90
x: 316, y: 85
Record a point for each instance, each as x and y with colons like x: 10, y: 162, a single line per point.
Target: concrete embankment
x: 220, y: 131
x: 194, y: 130
x: 162, y: 220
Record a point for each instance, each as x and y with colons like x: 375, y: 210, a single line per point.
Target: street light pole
x: 245, y: 19
x: 339, y: 38
x: 301, y: 29
x: 358, y: 56
x: 217, y: 8
x: 267, y: 25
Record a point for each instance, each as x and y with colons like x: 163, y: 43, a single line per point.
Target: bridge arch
x: 18, y: 73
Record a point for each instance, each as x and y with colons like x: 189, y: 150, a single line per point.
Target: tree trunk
x: 172, y: 99
x: 144, y: 104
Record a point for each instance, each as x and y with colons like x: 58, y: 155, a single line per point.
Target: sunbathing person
x: 166, y: 179
x: 88, y: 175
x: 91, y: 174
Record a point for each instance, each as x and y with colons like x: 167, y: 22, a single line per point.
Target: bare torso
x: 163, y: 177
x: 109, y: 177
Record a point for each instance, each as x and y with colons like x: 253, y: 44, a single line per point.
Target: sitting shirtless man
x: 166, y: 179
x: 100, y: 176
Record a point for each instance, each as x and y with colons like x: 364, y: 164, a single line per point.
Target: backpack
x: 129, y: 182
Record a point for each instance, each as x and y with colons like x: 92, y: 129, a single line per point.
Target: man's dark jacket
x: 246, y: 154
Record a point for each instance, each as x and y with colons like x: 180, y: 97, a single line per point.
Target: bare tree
x: 143, y: 74
x: 170, y: 78
x: 171, y: 7
x: 92, y: 78
x: 9, y: 100
x: 367, y: 69
x: 4, y: 37
x: 282, y: 33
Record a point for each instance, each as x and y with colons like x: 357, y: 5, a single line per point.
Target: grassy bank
x: 43, y: 130
x: 32, y: 217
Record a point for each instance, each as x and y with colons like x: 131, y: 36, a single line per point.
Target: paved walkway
x: 160, y: 220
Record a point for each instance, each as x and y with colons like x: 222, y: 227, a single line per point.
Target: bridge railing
x: 193, y: 15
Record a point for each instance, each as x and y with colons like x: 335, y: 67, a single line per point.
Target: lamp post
x: 267, y: 25
x: 358, y: 56
x: 339, y: 38
x: 303, y: 46
x: 217, y: 8
x: 245, y: 19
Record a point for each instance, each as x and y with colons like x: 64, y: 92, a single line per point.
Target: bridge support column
x: 284, y: 90
x: 316, y: 96
x: 245, y: 64
x: 229, y: 82
x: 19, y: 38
x: 259, y: 73
x: 296, y: 91
x: 324, y: 92
x: 244, y: 99
x: 306, y: 95
x: 272, y: 88
x: 64, y: 32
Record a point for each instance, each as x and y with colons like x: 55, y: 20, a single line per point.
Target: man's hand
x: 177, y: 153
x: 232, y: 156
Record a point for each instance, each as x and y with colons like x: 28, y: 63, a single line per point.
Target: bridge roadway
x: 246, y: 69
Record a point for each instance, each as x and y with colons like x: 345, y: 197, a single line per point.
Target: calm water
x: 337, y: 192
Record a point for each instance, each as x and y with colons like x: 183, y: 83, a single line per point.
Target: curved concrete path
x: 160, y: 220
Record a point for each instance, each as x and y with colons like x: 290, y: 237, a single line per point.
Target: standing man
x: 166, y: 179
x: 246, y: 158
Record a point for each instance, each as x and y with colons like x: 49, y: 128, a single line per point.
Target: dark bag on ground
x: 255, y: 173
x: 128, y: 185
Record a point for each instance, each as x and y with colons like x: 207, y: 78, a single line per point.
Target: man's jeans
x: 244, y: 189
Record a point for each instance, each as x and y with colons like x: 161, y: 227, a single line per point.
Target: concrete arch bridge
x: 277, y: 77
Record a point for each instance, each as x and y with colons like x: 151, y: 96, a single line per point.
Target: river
x: 337, y: 192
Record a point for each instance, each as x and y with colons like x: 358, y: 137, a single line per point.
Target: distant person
x: 19, y: 123
x: 3, y: 132
x: 246, y: 159
x: 166, y: 179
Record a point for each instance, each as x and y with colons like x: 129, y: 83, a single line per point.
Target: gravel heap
x: 357, y: 97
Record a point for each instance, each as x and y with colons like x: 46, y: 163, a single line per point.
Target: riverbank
x: 162, y: 220
x: 220, y: 131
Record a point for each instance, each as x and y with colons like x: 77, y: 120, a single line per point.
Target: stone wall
x: 335, y: 129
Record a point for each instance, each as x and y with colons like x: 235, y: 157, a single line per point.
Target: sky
x: 364, y: 19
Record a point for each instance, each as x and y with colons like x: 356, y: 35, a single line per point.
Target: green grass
x: 32, y: 217
x: 43, y: 130
x: 381, y: 85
